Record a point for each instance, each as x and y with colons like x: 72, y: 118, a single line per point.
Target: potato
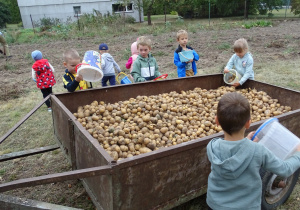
x: 114, y: 155
x: 144, y: 150
x: 147, y: 123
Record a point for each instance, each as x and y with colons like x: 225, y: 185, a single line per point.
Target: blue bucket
x: 125, y: 80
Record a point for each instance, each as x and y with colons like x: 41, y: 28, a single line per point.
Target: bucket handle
x: 263, y: 125
x: 80, y: 64
x: 163, y: 76
x: 118, y: 76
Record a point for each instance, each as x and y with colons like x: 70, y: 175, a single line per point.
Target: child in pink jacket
x: 134, y: 55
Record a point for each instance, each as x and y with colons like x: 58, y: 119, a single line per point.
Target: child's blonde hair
x: 181, y: 32
x: 70, y: 54
x: 144, y: 41
x: 240, y: 45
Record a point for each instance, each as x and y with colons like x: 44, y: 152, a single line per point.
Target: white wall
x: 63, y: 9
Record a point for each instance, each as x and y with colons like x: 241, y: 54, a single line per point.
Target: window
x: 77, y: 10
x: 122, y: 8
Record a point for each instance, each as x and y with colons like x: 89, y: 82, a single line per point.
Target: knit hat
x: 103, y: 46
x: 36, y: 55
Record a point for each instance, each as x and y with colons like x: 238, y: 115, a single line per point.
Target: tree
x: 4, y: 14
x: 148, y: 7
x: 14, y: 11
x: 230, y: 7
x: 138, y: 5
x: 295, y: 7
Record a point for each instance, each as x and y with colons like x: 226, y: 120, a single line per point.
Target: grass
x: 37, y: 131
x: 224, y: 46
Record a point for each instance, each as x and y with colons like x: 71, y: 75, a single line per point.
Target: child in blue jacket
x: 234, y: 181
x: 185, y: 68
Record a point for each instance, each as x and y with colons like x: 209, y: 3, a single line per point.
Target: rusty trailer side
x: 163, y: 178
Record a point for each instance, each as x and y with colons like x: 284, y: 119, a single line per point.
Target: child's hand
x: 226, y: 70
x: 236, y: 84
x: 78, y: 78
x: 190, y: 61
x: 250, y: 136
x: 298, y: 148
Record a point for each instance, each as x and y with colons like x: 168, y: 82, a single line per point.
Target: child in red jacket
x: 42, y: 74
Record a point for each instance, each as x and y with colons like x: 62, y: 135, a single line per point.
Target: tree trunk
x: 149, y: 18
x: 165, y: 13
x: 149, y: 12
x: 140, y: 11
x: 246, y: 11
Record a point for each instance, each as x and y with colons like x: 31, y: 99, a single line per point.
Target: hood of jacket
x: 230, y: 158
x: 150, y: 57
x: 41, y: 65
x: 107, y: 56
x: 134, y: 50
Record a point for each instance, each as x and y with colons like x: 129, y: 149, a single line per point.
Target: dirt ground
x: 278, y: 43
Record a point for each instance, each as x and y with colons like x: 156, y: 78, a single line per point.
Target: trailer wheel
x: 272, y: 196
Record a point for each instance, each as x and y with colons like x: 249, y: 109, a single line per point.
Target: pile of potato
x: 146, y: 123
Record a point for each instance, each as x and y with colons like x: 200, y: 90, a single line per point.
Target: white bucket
x: 277, y: 138
x: 232, y: 77
x: 91, y: 71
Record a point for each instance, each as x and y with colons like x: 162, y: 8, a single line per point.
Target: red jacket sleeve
x: 129, y: 62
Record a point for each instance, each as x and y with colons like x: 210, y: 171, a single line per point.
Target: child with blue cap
x: 42, y: 74
x: 108, y: 64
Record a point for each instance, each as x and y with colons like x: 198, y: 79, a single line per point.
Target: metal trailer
x: 161, y: 179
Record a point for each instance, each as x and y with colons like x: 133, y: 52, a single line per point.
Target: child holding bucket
x: 108, y: 64
x: 73, y: 81
x: 42, y: 74
x: 188, y: 68
x: 145, y: 67
x: 242, y: 60
x: 234, y: 181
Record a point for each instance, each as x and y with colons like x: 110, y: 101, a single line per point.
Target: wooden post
x: 32, y: 23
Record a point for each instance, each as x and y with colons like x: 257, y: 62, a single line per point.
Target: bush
x: 180, y: 19
x: 259, y: 23
x: 47, y: 23
x: 130, y: 19
x: 20, y: 25
x: 173, y: 13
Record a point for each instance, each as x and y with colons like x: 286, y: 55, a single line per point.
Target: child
x: 5, y: 46
x: 107, y: 64
x: 134, y: 55
x: 145, y: 67
x: 242, y: 60
x: 234, y: 181
x: 185, y: 68
x: 42, y: 74
x: 73, y: 81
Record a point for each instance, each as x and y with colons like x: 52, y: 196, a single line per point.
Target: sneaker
x: 49, y: 109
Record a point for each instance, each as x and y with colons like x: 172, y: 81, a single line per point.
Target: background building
x: 69, y: 10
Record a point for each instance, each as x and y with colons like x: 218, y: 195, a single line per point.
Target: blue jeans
x: 112, y: 80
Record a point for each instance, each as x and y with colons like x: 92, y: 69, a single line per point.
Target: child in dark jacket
x: 73, y: 81
x: 42, y: 74
x: 188, y: 68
